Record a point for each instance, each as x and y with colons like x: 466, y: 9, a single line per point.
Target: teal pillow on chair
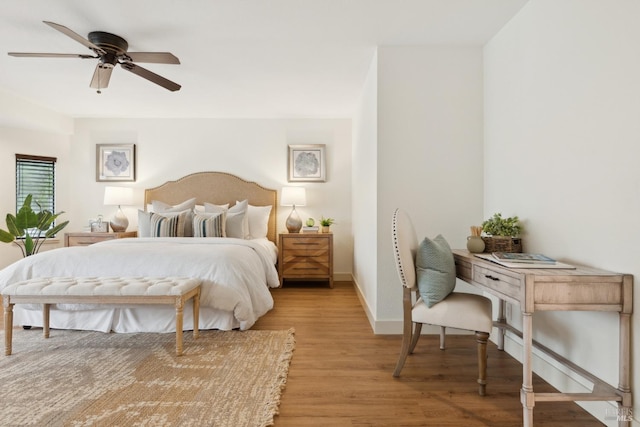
x: 435, y: 270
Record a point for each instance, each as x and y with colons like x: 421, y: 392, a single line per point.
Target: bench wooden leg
x: 196, y: 315
x: 179, y: 313
x: 46, y: 310
x: 8, y: 325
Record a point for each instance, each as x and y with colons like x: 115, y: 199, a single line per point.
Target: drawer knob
x: 488, y: 276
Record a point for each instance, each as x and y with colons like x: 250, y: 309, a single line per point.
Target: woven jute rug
x: 79, y: 378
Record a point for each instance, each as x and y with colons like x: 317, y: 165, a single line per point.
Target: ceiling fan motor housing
x: 115, y: 46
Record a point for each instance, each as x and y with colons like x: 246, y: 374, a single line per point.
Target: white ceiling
x: 239, y: 58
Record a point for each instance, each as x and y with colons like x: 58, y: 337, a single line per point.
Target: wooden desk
x: 582, y: 289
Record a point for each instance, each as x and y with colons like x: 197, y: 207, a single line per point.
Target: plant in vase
x: 29, y: 229
x: 502, y: 234
x: 326, y: 224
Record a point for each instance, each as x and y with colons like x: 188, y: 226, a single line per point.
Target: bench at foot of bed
x: 102, y: 290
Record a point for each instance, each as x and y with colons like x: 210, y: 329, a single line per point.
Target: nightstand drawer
x: 305, y: 244
x: 306, y: 267
x: 86, y: 240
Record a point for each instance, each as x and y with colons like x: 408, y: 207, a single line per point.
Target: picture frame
x: 307, y: 163
x: 115, y: 162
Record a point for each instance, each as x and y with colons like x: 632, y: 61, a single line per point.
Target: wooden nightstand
x: 87, y: 238
x: 307, y: 256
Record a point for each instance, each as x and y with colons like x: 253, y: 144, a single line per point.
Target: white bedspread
x: 236, y: 275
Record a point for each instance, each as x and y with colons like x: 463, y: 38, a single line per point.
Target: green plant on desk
x: 499, y: 226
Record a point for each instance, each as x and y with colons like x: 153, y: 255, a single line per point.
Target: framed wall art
x: 115, y: 162
x: 307, y: 163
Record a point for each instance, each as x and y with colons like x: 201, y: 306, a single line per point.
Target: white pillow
x: 258, y: 221
x: 202, y: 209
x: 238, y: 212
x: 162, y: 207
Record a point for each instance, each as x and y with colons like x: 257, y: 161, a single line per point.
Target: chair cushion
x: 459, y: 310
x: 435, y: 269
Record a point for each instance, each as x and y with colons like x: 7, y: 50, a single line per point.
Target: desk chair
x: 458, y: 310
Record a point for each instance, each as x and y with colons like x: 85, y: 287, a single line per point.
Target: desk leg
x: 526, y: 394
x: 624, y: 374
x: 501, y: 319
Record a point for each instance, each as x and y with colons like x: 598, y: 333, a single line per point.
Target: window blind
x: 35, y: 175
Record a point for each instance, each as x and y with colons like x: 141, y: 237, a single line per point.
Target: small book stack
x: 313, y: 229
x: 525, y: 258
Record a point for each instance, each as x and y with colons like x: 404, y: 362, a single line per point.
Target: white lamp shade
x: 117, y: 196
x: 293, y: 196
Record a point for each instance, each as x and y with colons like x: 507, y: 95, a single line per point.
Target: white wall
x: 562, y: 102
x: 364, y: 192
x: 255, y: 150
x: 429, y: 154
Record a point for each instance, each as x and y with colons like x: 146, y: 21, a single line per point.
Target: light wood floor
x: 340, y: 374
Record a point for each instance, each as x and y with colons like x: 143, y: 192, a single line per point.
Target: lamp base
x: 119, y: 222
x: 294, y: 223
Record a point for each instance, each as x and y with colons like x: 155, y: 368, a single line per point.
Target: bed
x: 233, y: 254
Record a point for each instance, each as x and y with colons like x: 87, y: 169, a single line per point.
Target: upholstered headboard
x: 218, y: 188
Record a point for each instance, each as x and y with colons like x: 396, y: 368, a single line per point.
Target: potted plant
x: 502, y: 234
x: 326, y: 224
x: 29, y: 229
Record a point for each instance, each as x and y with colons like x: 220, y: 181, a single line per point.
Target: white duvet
x: 236, y: 275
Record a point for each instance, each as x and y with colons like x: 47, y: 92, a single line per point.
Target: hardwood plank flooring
x: 340, y: 374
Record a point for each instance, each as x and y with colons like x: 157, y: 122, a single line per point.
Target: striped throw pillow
x: 168, y: 224
x: 208, y: 224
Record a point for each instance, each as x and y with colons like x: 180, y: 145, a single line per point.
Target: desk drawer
x: 498, y: 281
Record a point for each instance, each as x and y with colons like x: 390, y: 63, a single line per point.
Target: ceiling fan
x: 111, y: 50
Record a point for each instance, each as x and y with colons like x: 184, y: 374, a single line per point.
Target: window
x: 36, y: 175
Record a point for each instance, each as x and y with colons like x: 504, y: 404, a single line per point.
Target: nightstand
x: 306, y: 256
x: 87, y: 238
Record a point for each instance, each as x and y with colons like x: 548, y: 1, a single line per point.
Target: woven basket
x: 502, y: 244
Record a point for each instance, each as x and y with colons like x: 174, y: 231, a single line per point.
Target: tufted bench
x: 102, y: 290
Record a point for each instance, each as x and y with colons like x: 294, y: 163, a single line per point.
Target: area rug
x: 74, y: 378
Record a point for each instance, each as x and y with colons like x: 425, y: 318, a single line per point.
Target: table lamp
x: 293, y: 196
x: 118, y: 196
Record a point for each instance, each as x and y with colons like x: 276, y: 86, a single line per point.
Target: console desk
x: 583, y: 289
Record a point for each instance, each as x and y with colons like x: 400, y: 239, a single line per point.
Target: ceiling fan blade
x: 101, y: 76
x: 77, y: 37
x: 50, y: 55
x: 157, y: 57
x: 152, y: 77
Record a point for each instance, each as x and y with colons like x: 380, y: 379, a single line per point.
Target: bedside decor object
x: 99, y: 226
x: 326, y: 224
x: 502, y: 234
x: 307, y: 163
x: 293, y: 196
x: 115, y: 162
x: 118, y: 196
x: 475, y: 244
x: 28, y: 229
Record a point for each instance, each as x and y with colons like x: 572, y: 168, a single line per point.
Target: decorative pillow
x: 238, y: 220
x: 162, y: 207
x: 258, y: 221
x: 209, y: 224
x: 202, y: 208
x: 435, y: 270
x: 172, y: 224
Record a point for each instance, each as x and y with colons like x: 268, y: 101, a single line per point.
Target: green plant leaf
x: 55, y: 230
x: 13, y: 227
x: 28, y: 245
x: 6, y: 237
